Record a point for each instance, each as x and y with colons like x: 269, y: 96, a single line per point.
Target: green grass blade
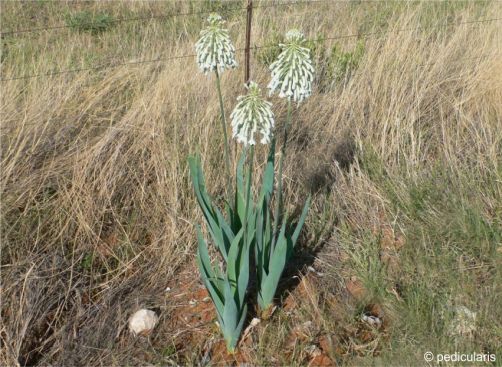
x: 301, y: 221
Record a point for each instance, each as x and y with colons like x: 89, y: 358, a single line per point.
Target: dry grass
x: 97, y: 211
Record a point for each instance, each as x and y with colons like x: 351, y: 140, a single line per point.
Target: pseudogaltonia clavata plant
x: 248, y: 227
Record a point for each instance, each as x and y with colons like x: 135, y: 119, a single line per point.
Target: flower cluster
x: 214, y: 48
x: 293, y: 71
x: 252, y: 114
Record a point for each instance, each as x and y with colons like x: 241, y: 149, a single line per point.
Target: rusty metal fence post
x: 247, y: 74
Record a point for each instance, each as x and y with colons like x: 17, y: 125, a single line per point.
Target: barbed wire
x: 368, y: 34
x: 71, y: 71
x: 431, y: 64
x: 163, y: 59
x: 351, y: 75
x: 166, y: 16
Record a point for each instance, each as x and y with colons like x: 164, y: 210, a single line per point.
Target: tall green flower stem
x: 279, y: 203
x: 225, y: 137
x: 248, y: 196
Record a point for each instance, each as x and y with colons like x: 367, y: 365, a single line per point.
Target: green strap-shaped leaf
x: 237, y: 332
x: 243, y: 276
x: 264, y: 235
x: 263, y: 215
x: 251, y: 226
x: 200, y: 191
x: 276, y: 267
x: 205, y: 203
x: 267, y: 235
x: 230, y: 313
x: 228, y: 235
x: 268, y: 177
x: 239, y: 210
x: 259, y: 243
x: 218, y: 279
x: 207, y: 274
x: 233, y: 259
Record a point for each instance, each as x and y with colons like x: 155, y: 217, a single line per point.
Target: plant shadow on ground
x: 317, y: 175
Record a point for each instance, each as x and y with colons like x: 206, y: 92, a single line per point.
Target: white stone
x: 372, y: 320
x: 142, y: 322
x: 464, y: 322
x: 255, y: 321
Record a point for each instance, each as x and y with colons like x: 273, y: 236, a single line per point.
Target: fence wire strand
x: 166, y: 16
x: 255, y: 47
x: 423, y: 65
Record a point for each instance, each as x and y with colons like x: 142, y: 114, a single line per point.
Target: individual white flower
x: 252, y: 114
x: 293, y: 71
x: 214, y: 48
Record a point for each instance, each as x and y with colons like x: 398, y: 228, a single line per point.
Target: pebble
x: 372, y: 320
x: 142, y: 322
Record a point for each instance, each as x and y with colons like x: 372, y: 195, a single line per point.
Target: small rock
x: 255, y: 321
x: 142, y: 322
x: 168, y: 289
x: 307, y: 325
x: 313, y: 351
x: 312, y: 270
x: 372, y: 320
x: 464, y: 323
x: 376, y: 310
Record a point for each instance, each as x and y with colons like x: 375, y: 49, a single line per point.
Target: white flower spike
x: 293, y: 71
x: 252, y: 114
x: 214, y: 48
